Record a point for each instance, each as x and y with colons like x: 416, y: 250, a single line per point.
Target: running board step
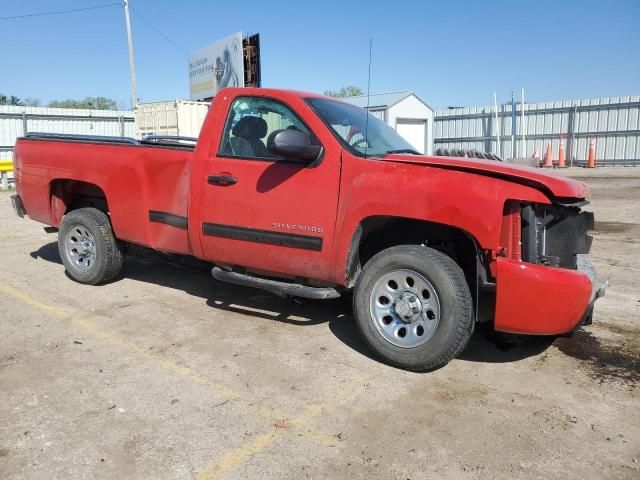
x: 274, y: 286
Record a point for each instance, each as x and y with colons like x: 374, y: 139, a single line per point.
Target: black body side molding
x: 304, y: 242
x: 168, y: 219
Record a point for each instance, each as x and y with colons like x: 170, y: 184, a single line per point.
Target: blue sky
x: 449, y: 52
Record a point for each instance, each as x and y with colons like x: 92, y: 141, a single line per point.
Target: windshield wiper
x: 403, y: 150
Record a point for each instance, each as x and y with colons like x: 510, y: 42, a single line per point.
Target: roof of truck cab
x: 375, y: 100
x: 271, y: 91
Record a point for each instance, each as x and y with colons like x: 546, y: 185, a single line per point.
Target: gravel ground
x: 166, y: 373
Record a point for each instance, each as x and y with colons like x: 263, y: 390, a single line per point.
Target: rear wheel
x: 89, y: 251
x: 413, y: 307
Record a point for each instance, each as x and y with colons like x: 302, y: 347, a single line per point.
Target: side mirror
x: 293, y: 144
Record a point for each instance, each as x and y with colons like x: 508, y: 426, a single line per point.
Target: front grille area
x: 554, y: 234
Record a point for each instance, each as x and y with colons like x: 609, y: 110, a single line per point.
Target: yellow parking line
x: 92, y: 328
x: 237, y: 456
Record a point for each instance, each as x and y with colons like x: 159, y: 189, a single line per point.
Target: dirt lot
x: 165, y: 373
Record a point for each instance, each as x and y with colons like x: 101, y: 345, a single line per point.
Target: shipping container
x: 177, y: 117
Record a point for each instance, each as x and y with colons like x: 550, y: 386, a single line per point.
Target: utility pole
x: 523, y: 127
x: 495, y: 107
x: 132, y: 70
x: 513, y: 126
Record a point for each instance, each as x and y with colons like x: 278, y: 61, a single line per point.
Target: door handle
x: 223, y: 180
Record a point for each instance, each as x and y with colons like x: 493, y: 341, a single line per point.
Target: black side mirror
x: 293, y: 144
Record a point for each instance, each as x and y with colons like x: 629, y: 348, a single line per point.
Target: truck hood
x: 551, y: 184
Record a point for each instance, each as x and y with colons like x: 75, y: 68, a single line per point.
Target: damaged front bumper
x: 537, y: 299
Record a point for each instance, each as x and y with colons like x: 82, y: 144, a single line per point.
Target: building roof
x: 379, y: 101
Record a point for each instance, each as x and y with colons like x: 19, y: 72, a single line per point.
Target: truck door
x: 263, y: 211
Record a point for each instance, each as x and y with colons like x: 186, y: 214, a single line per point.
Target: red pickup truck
x: 309, y: 196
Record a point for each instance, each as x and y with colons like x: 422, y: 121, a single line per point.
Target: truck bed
x: 169, y: 141
x: 146, y: 182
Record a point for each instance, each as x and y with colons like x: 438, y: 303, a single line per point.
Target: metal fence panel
x: 16, y: 121
x: 614, y: 123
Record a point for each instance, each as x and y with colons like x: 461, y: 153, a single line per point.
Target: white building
x: 411, y: 117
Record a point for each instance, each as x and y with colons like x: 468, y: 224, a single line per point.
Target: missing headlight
x: 554, y: 234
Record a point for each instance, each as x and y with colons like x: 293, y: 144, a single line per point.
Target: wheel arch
x: 67, y: 194
x: 375, y: 233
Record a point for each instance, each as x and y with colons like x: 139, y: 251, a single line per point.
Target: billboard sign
x: 217, y: 66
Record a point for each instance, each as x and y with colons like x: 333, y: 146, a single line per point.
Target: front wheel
x: 413, y: 307
x: 88, y: 248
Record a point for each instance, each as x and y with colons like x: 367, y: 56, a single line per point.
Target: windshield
x: 350, y: 123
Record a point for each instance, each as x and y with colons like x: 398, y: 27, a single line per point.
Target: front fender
x: 469, y: 202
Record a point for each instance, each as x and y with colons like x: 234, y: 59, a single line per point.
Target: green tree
x: 348, y: 91
x: 10, y: 100
x: 96, y: 103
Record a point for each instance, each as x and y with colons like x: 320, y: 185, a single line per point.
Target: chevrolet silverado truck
x: 311, y: 197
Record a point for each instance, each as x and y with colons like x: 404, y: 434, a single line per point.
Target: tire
x: 89, y: 251
x: 431, y: 302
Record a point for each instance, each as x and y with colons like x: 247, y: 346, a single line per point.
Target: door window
x: 251, y: 121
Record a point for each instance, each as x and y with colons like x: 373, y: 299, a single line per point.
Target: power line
x: 60, y: 12
x: 157, y: 30
x: 95, y: 7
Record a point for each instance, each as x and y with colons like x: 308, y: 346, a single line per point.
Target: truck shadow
x: 192, y: 276
x: 489, y: 346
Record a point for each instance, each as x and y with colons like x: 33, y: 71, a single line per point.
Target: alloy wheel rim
x: 80, y: 248
x: 405, y: 308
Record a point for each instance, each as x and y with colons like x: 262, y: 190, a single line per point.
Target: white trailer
x: 175, y: 118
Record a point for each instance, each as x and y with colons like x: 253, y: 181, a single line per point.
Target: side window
x: 251, y: 121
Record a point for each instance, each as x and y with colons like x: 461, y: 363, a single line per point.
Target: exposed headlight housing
x: 545, y: 234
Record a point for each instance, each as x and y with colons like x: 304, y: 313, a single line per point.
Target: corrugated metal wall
x: 614, y: 123
x: 16, y: 121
